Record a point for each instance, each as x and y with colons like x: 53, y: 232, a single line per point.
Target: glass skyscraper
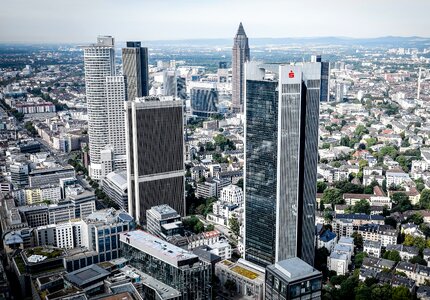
x: 281, y: 140
x: 135, y: 70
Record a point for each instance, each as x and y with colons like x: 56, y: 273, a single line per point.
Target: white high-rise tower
x: 105, y: 95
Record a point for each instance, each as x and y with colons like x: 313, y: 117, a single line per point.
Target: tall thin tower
x: 99, y: 64
x: 281, y: 142
x: 240, y: 56
x: 135, y: 70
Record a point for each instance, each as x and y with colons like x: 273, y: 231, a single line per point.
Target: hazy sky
x: 83, y: 20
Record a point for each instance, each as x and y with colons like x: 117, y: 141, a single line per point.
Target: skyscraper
x: 99, y: 64
x: 325, y: 77
x: 135, y: 70
x: 204, y: 101
x: 281, y: 140
x: 155, y: 154
x: 240, y: 56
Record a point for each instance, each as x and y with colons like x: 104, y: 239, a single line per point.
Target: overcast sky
x: 82, y: 20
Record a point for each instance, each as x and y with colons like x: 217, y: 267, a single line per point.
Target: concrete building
x: 231, y: 194
x: 99, y: 63
x: 101, y: 232
x: 249, y: 278
x: 51, y: 193
x: 163, y: 221
x: 155, y: 155
x: 292, y: 279
x: 373, y: 248
x: 115, y: 187
x: 171, y: 265
x: 51, y: 175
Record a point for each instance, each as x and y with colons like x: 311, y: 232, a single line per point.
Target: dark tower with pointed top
x: 240, y: 56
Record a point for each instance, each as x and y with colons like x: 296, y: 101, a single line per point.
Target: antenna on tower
x: 419, y: 84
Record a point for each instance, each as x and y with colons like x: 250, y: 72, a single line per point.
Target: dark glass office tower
x: 282, y: 113
x: 260, y: 170
x: 325, y: 77
x: 135, y: 70
x: 204, y: 101
x: 155, y: 155
x: 240, y: 56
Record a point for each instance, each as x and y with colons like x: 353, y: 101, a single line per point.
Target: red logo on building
x: 291, y: 74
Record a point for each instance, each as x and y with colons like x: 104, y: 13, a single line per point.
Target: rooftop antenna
x: 419, y: 84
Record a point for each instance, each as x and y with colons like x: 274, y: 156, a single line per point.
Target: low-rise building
x: 292, y: 279
x: 249, y: 278
x: 416, y: 272
x: 405, y: 252
x: 373, y: 248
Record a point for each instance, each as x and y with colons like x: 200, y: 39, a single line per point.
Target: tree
x: 416, y: 218
x: 381, y: 292
x: 240, y: 183
x: 425, y: 199
x: 409, y: 240
x: 332, y: 196
x: 361, y: 130
x: 358, y: 240
x: 363, y: 292
x: 362, y: 206
x: 358, y: 259
x: 321, y: 186
x: 392, y: 255
x: 390, y: 221
x: 418, y: 260
x: 401, y: 202
x: 230, y: 285
x: 234, y: 225
x: 210, y: 227
x: 401, y: 293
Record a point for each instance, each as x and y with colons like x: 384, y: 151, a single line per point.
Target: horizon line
x: 224, y: 38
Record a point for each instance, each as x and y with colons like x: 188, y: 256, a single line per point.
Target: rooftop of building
x: 86, y: 275
x: 119, y: 178
x: 163, y: 290
x: 108, y: 216
x: 243, y: 268
x: 295, y: 269
x: 157, y: 247
x: 164, y: 211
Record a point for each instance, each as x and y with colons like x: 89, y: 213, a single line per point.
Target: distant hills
x: 394, y: 41
x: 387, y: 41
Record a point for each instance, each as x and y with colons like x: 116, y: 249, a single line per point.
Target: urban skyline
x: 210, y: 168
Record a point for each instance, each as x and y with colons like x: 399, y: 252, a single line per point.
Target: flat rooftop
x: 163, y: 290
x: 88, y: 274
x: 158, y: 248
x: 164, y: 211
x: 295, y: 269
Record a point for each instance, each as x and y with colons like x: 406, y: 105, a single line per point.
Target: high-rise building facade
x: 325, y: 77
x: 281, y: 140
x: 155, y: 154
x: 135, y: 70
x: 99, y: 64
x: 204, y: 101
x: 240, y: 56
x: 115, y: 96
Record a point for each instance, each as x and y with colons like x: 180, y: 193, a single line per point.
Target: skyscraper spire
x: 240, y: 56
x: 240, y: 30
